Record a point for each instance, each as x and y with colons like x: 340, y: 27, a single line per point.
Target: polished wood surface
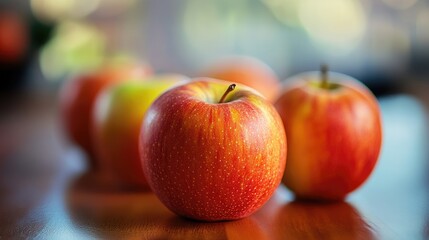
x: 46, y: 192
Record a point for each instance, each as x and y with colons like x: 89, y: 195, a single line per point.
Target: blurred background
x: 380, y: 42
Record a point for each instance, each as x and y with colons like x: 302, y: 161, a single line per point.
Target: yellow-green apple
x: 118, y: 115
x: 78, y: 95
x: 211, y: 152
x: 334, y: 132
x: 248, y: 71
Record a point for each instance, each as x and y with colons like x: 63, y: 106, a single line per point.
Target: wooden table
x: 46, y: 194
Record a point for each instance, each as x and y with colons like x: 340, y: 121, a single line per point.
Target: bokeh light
x: 54, y: 10
x: 217, y: 28
x: 336, y: 26
x: 284, y: 10
x: 74, y: 47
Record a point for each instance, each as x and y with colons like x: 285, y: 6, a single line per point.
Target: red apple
x: 334, y: 134
x: 211, y: 154
x: 248, y: 71
x: 117, y: 120
x: 77, y: 99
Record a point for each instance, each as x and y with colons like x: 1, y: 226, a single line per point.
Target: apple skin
x: 118, y: 115
x: 248, y: 71
x: 78, y: 96
x: 334, y: 135
x: 212, y: 161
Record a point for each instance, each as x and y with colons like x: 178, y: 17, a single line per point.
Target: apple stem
x: 230, y: 89
x: 324, y: 75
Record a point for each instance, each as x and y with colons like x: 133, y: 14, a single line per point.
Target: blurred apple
x: 334, y: 134
x: 118, y: 115
x: 248, y: 71
x: 213, y: 153
x: 78, y: 95
x: 13, y: 37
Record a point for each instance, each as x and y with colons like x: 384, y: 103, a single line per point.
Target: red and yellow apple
x: 248, y: 71
x: 78, y: 95
x: 118, y: 115
x: 211, y: 152
x: 334, y: 132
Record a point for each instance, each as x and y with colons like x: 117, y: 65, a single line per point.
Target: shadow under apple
x: 104, y: 212
x: 183, y: 228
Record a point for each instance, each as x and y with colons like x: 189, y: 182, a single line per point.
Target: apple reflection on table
x: 328, y: 220
x: 100, y: 210
x: 97, y: 210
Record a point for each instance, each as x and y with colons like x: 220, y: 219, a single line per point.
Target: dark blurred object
x: 20, y: 37
x: 40, y: 31
x: 14, y: 39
